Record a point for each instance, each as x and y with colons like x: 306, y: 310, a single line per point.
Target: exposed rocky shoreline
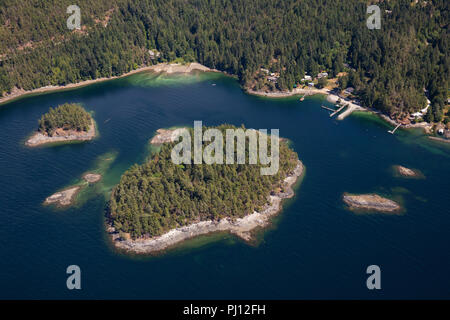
x: 63, y: 198
x: 61, y: 135
x: 405, y: 172
x: 166, y: 136
x: 180, y: 68
x: 284, y: 94
x: 92, y: 177
x: 161, y: 67
x: 351, y: 107
x: 370, y: 202
x: 331, y: 97
x: 241, y: 227
x: 66, y: 197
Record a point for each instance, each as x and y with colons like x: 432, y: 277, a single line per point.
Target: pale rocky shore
x: 331, y: 97
x: 161, y: 67
x: 63, y: 198
x: 284, y: 94
x: 350, y: 106
x: 241, y: 227
x: 66, y: 197
x: 370, y: 202
x: 180, y: 68
x: 407, y: 172
x: 61, y: 135
x: 166, y: 135
x: 92, y: 177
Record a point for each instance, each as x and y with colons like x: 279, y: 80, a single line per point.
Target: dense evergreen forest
x: 390, y: 68
x: 159, y: 195
x: 69, y: 116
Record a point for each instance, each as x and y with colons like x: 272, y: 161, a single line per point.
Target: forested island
x: 159, y: 203
x: 65, y: 123
x: 271, y: 45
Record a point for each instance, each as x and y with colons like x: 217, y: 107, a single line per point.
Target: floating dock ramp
x: 393, y: 131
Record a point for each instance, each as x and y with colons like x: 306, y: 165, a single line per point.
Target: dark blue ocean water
x: 315, y: 248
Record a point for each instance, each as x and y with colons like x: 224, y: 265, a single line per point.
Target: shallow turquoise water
x: 315, y: 249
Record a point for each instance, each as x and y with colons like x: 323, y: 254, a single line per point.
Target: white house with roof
x: 306, y: 78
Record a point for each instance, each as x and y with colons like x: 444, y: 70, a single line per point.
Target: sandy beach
x: 241, y: 227
x: 161, y: 67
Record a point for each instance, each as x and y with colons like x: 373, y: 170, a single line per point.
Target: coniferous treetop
x: 159, y: 195
x: 69, y: 116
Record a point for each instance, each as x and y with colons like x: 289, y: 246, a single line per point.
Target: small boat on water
x: 302, y: 98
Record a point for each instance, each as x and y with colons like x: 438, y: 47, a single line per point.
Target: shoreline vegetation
x: 334, y: 98
x: 242, y: 227
x: 158, y: 68
x: 401, y: 72
x: 65, y: 123
x: 38, y: 138
x: 172, y: 68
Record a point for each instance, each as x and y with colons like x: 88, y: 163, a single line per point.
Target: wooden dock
x: 329, y: 109
x: 337, y: 111
x: 393, y: 131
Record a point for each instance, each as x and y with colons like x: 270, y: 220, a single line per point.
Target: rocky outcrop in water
x: 63, y: 198
x: 404, y: 172
x: 370, y: 202
x: 166, y: 136
x: 92, y: 177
